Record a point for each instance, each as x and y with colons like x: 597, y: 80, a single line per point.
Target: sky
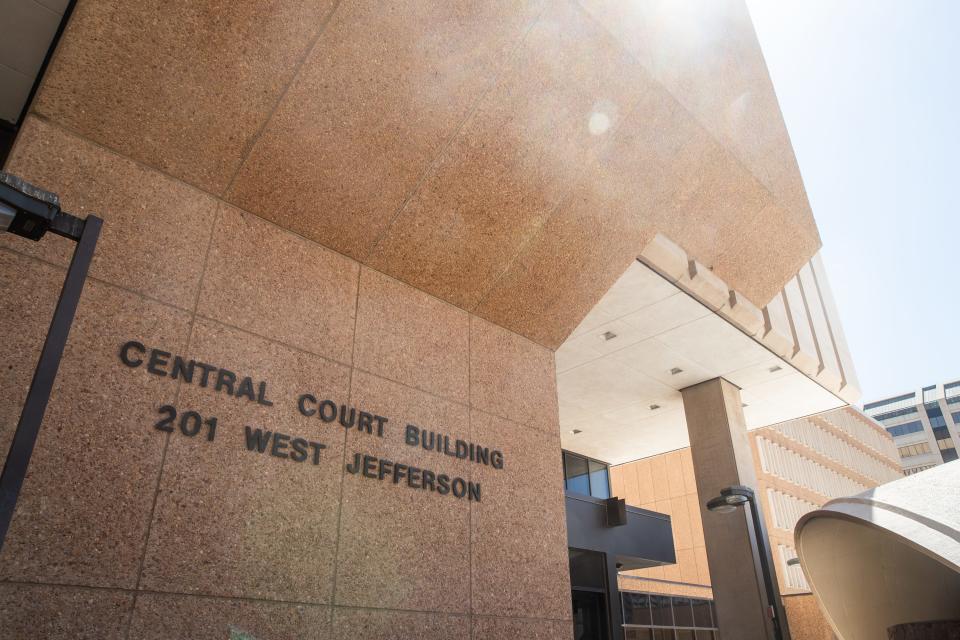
x: 870, y: 92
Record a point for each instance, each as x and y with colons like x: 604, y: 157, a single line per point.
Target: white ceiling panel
x: 715, y: 344
x: 606, y: 387
x: 656, y: 360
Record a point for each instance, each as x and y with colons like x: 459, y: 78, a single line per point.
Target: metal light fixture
x: 729, y: 500
x: 29, y: 212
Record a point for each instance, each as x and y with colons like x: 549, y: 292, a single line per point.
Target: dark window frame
x: 588, y: 460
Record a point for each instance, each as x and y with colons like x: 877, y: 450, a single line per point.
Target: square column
x: 722, y: 458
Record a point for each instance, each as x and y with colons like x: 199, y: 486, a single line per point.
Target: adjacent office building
x: 800, y: 465
x: 925, y: 424
x: 622, y: 376
x: 374, y: 284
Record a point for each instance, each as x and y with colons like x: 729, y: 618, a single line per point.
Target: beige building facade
x: 800, y: 465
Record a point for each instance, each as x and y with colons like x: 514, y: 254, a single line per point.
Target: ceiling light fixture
x: 675, y: 371
x: 654, y: 407
x: 775, y: 368
x: 609, y: 335
x: 576, y: 431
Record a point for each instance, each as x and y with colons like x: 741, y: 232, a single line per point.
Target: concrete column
x: 722, y: 457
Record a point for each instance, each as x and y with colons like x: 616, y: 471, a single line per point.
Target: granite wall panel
x: 369, y: 624
x: 134, y: 523
x: 159, y: 616
x: 46, y: 612
x: 84, y: 509
x: 406, y: 335
x: 403, y: 545
x: 156, y: 230
x: 271, y: 282
x: 520, y: 527
x: 30, y: 298
x: 485, y: 628
x: 230, y: 520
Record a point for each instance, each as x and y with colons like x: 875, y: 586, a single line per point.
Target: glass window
x: 682, y: 612
x: 701, y: 613
x: 647, y: 616
x: 585, y: 476
x: 890, y: 415
x: 576, y: 474
x: 914, y: 450
x: 599, y: 480
x: 906, y: 428
x: 588, y: 569
x: 636, y: 608
x: 935, y: 415
x: 662, y: 614
x: 949, y: 455
x: 890, y: 403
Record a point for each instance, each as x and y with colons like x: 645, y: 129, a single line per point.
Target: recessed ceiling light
x: 774, y: 368
x: 744, y: 404
x: 609, y: 335
x: 675, y: 371
x: 576, y: 431
x: 654, y: 407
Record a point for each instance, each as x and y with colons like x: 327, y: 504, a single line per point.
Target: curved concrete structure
x: 887, y: 556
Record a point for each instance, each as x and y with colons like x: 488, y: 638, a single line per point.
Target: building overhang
x: 620, y: 373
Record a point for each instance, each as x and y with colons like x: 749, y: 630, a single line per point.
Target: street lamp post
x: 30, y: 212
x: 731, y: 499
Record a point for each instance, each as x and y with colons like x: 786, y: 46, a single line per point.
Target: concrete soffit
x: 799, y: 326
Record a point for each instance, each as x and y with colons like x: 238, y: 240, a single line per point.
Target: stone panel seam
x: 441, y: 152
x: 343, y: 458
x: 470, y: 321
x: 602, y: 153
x: 735, y: 156
x: 166, y: 442
x: 92, y: 278
x: 298, y: 603
x: 285, y: 345
x: 221, y: 201
x: 297, y: 68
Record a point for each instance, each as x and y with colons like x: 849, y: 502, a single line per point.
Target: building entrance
x: 589, y: 615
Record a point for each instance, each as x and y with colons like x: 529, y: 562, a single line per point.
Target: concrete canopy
x: 512, y: 158
x: 887, y: 556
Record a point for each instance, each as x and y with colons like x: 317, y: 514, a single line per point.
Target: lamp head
x: 730, y: 498
x: 726, y: 503
x: 25, y: 209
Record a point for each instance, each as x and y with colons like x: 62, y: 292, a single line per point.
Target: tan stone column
x: 721, y: 458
